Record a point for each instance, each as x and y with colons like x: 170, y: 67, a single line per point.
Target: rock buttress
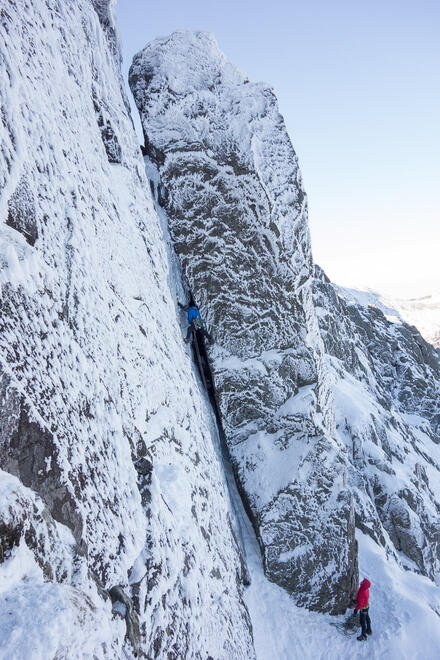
x: 238, y: 219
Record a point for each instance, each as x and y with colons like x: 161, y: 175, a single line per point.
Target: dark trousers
x: 365, y: 621
x: 192, y: 329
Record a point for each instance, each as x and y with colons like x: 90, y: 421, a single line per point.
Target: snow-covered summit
x: 189, y: 61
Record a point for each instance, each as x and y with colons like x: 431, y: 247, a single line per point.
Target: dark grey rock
x: 118, y: 595
x: 22, y: 211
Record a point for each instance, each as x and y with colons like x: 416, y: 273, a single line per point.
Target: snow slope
x: 424, y: 313
x: 404, y: 611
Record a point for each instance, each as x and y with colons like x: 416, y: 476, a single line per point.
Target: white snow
x: 19, y: 263
x: 298, y: 404
x: 41, y: 620
x: 404, y: 611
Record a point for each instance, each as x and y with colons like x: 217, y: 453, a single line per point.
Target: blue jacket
x: 193, y: 313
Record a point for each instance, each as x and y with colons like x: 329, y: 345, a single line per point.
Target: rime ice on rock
x: 386, y: 382
x: 117, y: 482
x: 238, y: 219
x: 111, y: 483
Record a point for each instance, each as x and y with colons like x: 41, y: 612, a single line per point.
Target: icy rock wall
x: 238, y: 220
x: 102, y: 424
x: 387, y: 391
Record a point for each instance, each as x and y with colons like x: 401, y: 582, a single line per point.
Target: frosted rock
x: 386, y: 391
x: 99, y: 407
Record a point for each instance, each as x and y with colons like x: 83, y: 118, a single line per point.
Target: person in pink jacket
x: 362, y: 606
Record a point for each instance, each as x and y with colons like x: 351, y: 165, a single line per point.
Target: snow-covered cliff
x: 122, y: 532
x: 110, y: 473
x: 387, y: 391
x: 238, y: 220
x: 308, y: 424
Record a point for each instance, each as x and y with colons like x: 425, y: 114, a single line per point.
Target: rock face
x: 387, y: 391
x: 238, y: 220
x: 114, y: 478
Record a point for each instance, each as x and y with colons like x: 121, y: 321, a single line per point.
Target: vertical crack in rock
x: 204, y: 367
x: 238, y: 220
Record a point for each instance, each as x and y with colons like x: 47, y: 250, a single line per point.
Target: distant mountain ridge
x: 423, y: 312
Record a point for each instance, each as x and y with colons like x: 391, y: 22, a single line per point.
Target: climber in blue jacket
x: 196, y: 323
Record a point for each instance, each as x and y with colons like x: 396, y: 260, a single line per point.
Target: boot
x: 369, y: 632
x: 361, y: 638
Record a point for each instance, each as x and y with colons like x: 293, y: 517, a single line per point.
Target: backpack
x: 197, y: 323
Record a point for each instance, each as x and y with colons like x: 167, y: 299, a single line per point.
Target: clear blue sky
x: 358, y: 84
